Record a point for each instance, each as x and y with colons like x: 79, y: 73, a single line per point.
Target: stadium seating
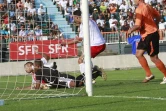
x: 57, y: 17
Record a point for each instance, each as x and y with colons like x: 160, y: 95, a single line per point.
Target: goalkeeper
x: 53, y: 78
x: 45, y: 59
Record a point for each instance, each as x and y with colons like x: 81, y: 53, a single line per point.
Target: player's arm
x: 75, y: 41
x: 42, y: 54
x: 24, y: 88
x: 38, y: 79
x: 138, y: 20
x: 38, y: 82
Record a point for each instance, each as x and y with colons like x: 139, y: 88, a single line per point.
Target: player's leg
x: 67, y: 76
x: 51, y: 65
x: 64, y: 83
x: 153, y: 51
x: 96, y: 72
x: 141, y: 48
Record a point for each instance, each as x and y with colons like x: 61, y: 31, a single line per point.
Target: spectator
x: 30, y: 34
x: 125, y: 27
x: 63, y: 4
x: 132, y: 7
x: 131, y: 22
x: 112, y: 8
x: 20, y: 4
x: 164, y: 13
x: 101, y: 21
x: 101, y: 28
x: 123, y: 6
x: 4, y: 29
x: 5, y: 18
x: 122, y: 13
x: 129, y: 13
x: 23, y: 1
x: 103, y: 8
x: 12, y: 28
x: 113, y: 23
x: 98, y: 2
x: 21, y: 19
x: 106, y: 15
x: 162, y: 24
x: 27, y: 4
x: 41, y: 13
x: 158, y: 6
x: 12, y: 12
x: 91, y: 8
x: 162, y: 27
x: 32, y: 10
x: 95, y: 14
x: 29, y: 24
x: 56, y: 33
x: 106, y: 3
x: 18, y: 11
x: 30, y: 17
x: 38, y: 33
x: 91, y: 2
x: 22, y: 34
x: 3, y: 47
x: 122, y: 20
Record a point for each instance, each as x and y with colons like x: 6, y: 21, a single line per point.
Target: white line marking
x: 131, y: 97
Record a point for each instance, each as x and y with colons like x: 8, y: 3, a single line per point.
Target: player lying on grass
x: 54, y: 79
x: 45, y: 59
x: 48, y: 77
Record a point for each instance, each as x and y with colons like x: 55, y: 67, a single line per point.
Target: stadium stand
x: 30, y: 20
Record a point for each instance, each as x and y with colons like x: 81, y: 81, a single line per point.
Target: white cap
x: 41, y: 4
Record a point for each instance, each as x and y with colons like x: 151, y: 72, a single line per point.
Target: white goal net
x: 31, y: 33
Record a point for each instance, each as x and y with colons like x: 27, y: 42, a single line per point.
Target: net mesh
x: 22, y: 30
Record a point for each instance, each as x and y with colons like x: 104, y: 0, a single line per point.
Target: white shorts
x: 67, y: 80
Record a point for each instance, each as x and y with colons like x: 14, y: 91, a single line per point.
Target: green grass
x: 121, y: 92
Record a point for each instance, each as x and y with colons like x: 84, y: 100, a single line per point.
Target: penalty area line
x: 131, y: 97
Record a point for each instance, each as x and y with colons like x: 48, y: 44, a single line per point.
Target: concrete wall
x: 107, y: 62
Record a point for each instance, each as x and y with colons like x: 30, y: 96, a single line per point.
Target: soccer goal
x: 20, y: 40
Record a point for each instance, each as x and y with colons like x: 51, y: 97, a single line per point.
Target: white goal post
x: 88, y: 69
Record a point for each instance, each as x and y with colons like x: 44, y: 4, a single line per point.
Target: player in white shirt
x: 97, y: 41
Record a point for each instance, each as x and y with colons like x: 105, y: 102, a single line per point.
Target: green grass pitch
x: 123, y: 91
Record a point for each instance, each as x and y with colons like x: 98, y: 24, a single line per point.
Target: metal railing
x: 121, y: 36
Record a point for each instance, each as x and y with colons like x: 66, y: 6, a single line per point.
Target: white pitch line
x: 131, y: 97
